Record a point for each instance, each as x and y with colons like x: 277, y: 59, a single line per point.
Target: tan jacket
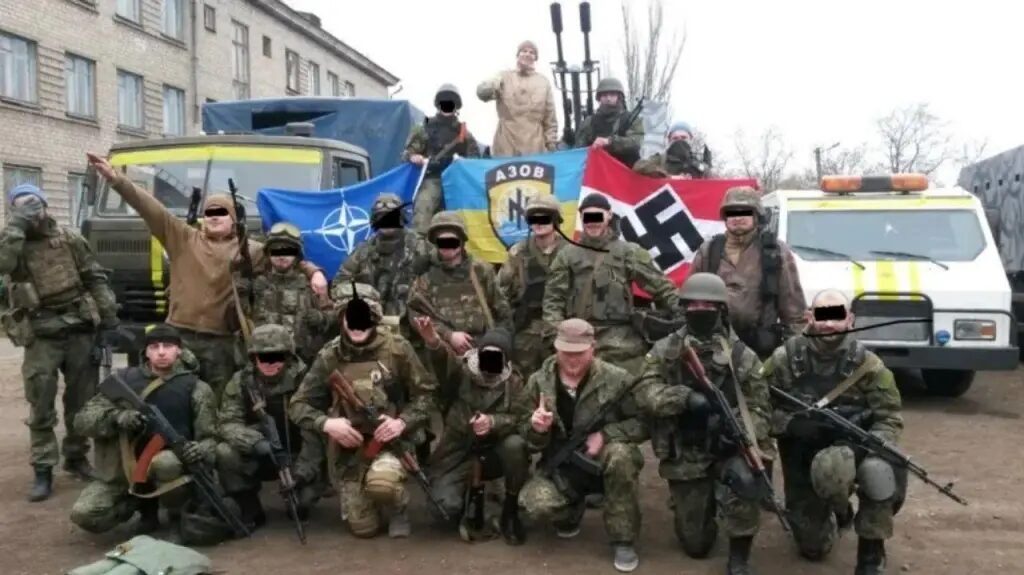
x: 527, y: 123
x: 200, y: 290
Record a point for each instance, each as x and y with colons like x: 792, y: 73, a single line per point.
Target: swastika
x: 663, y: 225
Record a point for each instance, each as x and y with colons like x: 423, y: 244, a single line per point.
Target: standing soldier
x: 766, y: 302
x: 576, y: 394
x: 821, y: 472
x: 705, y: 473
x: 435, y: 144
x: 281, y: 293
x: 525, y: 101
x: 482, y: 427
x: 601, y: 130
x: 378, y: 369
x: 523, y: 277
x: 678, y: 160
x: 593, y: 281
x: 59, y: 297
x: 244, y: 454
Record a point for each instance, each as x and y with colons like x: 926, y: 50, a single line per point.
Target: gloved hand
x: 193, y: 453
x: 130, y: 420
x: 262, y: 448
x: 697, y: 403
x: 24, y: 216
x: 725, y: 446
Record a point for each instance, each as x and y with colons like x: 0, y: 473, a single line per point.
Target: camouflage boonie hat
x: 704, y: 287
x: 540, y: 497
x: 341, y: 293
x: 740, y: 197
x: 447, y: 221
x: 271, y: 338
x: 833, y: 471
x: 284, y: 233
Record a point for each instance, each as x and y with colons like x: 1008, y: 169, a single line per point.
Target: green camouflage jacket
x: 236, y: 421
x: 388, y: 265
x: 285, y: 298
x: 522, y: 279
x: 624, y: 148
x: 446, y: 295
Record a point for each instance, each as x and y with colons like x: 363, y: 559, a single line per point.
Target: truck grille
x: 871, y: 311
x: 123, y: 246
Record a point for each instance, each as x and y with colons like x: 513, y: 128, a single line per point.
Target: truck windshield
x: 942, y: 235
x: 171, y: 173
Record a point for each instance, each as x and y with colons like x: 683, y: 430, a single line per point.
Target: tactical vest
x: 457, y: 301
x: 275, y: 404
x: 284, y: 300
x: 604, y: 125
x: 810, y: 384
x: 533, y: 276
x: 373, y: 377
x: 393, y: 273
x: 50, y: 265
x: 763, y: 339
x: 173, y: 399
x: 610, y: 300
x: 440, y: 132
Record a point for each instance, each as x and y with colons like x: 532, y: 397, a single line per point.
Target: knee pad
x: 833, y: 472
x: 737, y: 476
x: 364, y: 524
x: 385, y: 480
x: 540, y: 498
x: 165, y: 467
x: 876, y: 479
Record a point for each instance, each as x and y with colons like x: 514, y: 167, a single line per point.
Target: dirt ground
x: 974, y: 440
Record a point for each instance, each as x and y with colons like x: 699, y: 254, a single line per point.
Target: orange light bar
x: 888, y: 183
x: 840, y: 184
x: 909, y: 182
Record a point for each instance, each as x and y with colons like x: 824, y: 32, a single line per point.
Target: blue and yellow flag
x: 491, y: 195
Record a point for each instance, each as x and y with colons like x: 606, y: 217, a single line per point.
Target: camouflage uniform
x: 821, y: 472
x: 562, y: 497
x: 429, y: 140
x: 56, y: 323
x: 187, y: 402
x: 285, y: 297
x: 522, y: 280
x: 386, y: 374
x: 609, y: 307
x: 606, y: 122
x: 241, y: 468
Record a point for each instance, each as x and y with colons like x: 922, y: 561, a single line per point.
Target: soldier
x: 593, y: 281
x: 244, y: 454
x: 459, y: 293
x: 525, y: 101
x: 705, y: 472
x: 766, y: 302
x: 59, y: 297
x: 169, y: 383
x: 577, y: 393
x: 523, y: 277
x: 281, y: 293
x: 435, y: 144
x: 382, y: 371
x: 601, y: 130
x: 821, y: 472
x: 678, y: 160
x: 482, y: 426
x: 201, y: 290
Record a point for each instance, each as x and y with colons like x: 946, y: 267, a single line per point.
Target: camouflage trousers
x: 429, y: 200
x: 241, y: 473
x: 814, y: 518
x: 563, y: 501
x: 366, y: 493
x: 71, y: 356
x: 621, y: 345
x: 509, y: 459
x: 700, y: 505
x: 216, y: 355
x: 531, y: 349
x: 103, y: 505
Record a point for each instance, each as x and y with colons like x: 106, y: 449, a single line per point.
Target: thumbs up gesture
x: 542, y: 418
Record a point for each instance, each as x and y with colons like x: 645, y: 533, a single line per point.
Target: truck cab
x: 918, y: 262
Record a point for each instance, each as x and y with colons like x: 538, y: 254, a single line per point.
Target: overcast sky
x: 821, y: 71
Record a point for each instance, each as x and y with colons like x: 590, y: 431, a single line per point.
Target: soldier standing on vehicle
x: 282, y: 295
x: 59, y: 297
x: 244, y: 454
x: 525, y: 100
x: 378, y: 368
x: 601, y: 130
x: 593, y: 281
x: 166, y: 382
x: 435, y: 144
x: 822, y: 472
x: 523, y: 277
x: 201, y: 288
x: 705, y: 472
x: 678, y: 160
x: 576, y: 393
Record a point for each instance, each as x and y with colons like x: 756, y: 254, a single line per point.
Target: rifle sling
x: 129, y: 461
x: 741, y: 401
x: 847, y: 383
x: 480, y: 297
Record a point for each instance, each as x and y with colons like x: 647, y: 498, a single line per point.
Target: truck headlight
x: 974, y: 329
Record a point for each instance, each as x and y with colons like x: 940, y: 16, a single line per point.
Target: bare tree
x: 914, y: 140
x: 844, y: 160
x: 650, y: 61
x: 764, y: 158
x: 970, y: 152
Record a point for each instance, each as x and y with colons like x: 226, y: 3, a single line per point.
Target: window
x: 16, y: 175
x: 210, y: 18
x: 17, y: 68
x: 129, y: 100
x: 314, y: 78
x: 347, y: 173
x: 76, y: 191
x: 80, y: 83
x: 291, y: 63
x: 240, y: 60
x: 172, y: 21
x: 129, y: 10
x: 174, y: 111
x: 349, y: 90
x: 333, y: 85
x: 266, y: 46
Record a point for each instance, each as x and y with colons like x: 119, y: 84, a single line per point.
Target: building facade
x: 80, y: 75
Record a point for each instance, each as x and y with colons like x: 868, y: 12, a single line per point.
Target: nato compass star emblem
x: 344, y: 228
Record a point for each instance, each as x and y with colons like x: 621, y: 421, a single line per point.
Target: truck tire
x: 947, y: 382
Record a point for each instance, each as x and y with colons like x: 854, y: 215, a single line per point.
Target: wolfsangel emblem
x: 510, y: 189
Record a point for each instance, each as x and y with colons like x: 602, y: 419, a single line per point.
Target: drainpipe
x: 194, y: 68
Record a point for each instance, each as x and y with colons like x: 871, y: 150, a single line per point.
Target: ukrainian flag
x: 492, y: 194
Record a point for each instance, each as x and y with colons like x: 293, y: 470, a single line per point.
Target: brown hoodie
x: 200, y: 289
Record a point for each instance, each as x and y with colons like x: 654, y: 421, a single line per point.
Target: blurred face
x: 449, y: 246
x: 32, y: 206
x: 446, y: 107
x: 608, y: 98
x: 542, y: 224
x: 161, y: 355
x: 217, y: 222
x: 679, y: 136
x: 830, y: 316
x: 282, y: 263
x: 575, y: 363
x: 526, y: 58
x: 357, y: 336
x: 595, y: 221
x: 270, y: 364
x: 739, y: 221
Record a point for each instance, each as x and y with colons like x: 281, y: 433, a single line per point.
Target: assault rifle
x: 279, y: 457
x: 242, y: 234
x: 192, y: 217
x: 868, y: 441
x: 440, y: 160
x: 164, y: 435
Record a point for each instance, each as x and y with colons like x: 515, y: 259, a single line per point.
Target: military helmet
x: 342, y: 294
x: 833, y: 472
x: 271, y: 338
x: 704, y: 287
x: 611, y: 85
x: 451, y: 92
x: 447, y: 220
x: 285, y: 233
x: 385, y: 203
x: 545, y: 203
x: 741, y: 197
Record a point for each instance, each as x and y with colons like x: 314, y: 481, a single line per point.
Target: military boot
x: 569, y: 526
x: 42, y: 485
x: 870, y: 557
x: 81, y: 469
x: 626, y: 559
x: 511, y: 525
x: 739, y: 556
x: 149, y: 516
x: 252, y: 508
x: 399, y: 526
